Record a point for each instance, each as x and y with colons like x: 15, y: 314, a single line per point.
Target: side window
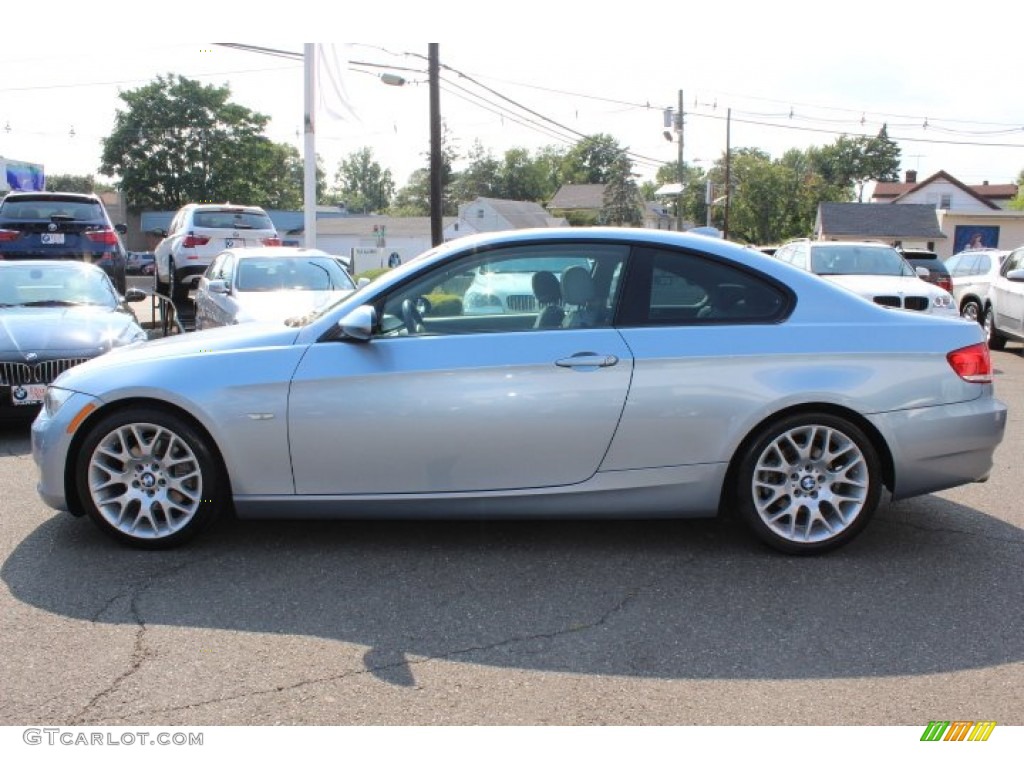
x: 1013, y: 261
x: 227, y: 269
x: 953, y: 265
x: 216, y: 268
x: 682, y: 288
x: 982, y: 265
x: 516, y: 288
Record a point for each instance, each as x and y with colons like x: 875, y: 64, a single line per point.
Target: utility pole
x: 436, y: 188
x: 309, y: 165
x: 679, y: 199
x: 728, y: 176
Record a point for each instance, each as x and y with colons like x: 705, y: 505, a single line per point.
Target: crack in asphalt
x: 630, y: 596
x: 139, y: 652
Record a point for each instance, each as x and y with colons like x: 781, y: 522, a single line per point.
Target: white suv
x: 874, y: 270
x: 972, y: 273
x: 198, y: 233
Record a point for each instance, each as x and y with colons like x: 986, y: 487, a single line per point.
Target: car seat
x: 549, y: 300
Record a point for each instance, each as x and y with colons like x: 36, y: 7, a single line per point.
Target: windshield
x: 292, y: 274
x: 859, y: 260
x: 54, y: 285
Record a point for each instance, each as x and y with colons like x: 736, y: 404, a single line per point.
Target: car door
x: 1009, y: 302
x: 455, y: 402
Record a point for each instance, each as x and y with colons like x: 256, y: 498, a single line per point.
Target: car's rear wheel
x: 148, y: 478
x: 971, y: 310
x: 996, y: 340
x: 809, y: 483
x: 177, y: 291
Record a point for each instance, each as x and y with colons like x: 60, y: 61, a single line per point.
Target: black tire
x: 971, y: 310
x: 176, y: 290
x: 996, y: 340
x: 148, y: 478
x: 797, y: 498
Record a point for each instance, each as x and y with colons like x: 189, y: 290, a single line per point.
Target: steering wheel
x: 411, y: 317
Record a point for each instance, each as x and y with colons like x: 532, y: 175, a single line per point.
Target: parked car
x: 1004, y: 315
x: 873, y: 270
x: 269, y: 284
x: 198, y: 233
x: 937, y: 272
x: 688, y: 376
x: 140, y: 263
x: 62, y: 225
x: 55, y: 315
x: 507, y: 287
x: 972, y: 272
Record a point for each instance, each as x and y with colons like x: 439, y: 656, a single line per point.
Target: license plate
x: 53, y: 238
x: 28, y: 394
x: 234, y: 242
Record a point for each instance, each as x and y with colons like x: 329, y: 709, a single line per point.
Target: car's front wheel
x: 148, y: 478
x: 971, y: 310
x: 809, y: 483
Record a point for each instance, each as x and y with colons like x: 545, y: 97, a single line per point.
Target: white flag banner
x: 333, y: 100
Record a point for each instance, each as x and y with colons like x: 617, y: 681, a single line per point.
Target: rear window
x: 68, y: 210
x: 232, y: 220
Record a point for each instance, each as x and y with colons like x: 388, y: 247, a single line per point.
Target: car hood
x: 880, y: 285
x: 278, y: 306
x: 64, y: 331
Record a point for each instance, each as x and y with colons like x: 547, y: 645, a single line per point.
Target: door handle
x: 587, y: 360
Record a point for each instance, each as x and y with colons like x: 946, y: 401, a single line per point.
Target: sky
x: 774, y: 76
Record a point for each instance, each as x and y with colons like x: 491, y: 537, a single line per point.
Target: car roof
x: 224, y: 207
x: 277, y: 251
x: 82, y: 266
x: 47, y: 195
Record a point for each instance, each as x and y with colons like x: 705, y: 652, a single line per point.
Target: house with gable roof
x: 964, y: 212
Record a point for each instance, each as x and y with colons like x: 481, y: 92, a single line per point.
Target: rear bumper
x: 943, y: 446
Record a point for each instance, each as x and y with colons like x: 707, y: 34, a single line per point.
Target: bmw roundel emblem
x: 52, y: 227
x: 31, y: 357
x: 19, y: 393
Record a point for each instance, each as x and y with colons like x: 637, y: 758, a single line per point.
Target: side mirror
x: 922, y: 271
x: 362, y: 281
x: 1015, y: 275
x: 218, y: 286
x: 135, y: 294
x: 121, y: 229
x: 358, y: 324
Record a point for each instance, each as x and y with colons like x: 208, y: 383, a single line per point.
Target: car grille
x: 15, y: 374
x: 521, y: 303
x: 918, y: 303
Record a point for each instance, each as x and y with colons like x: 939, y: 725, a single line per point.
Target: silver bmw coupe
x: 638, y: 373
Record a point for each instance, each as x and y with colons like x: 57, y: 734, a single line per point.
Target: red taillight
x: 103, y: 236
x: 945, y: 284
x: 191, y: 241
x: 973, y: 363
x: 7, y: 235
x: 269, y: 241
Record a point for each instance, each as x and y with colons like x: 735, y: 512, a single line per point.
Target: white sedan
x: 270, y: 284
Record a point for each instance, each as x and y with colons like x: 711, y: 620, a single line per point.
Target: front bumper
x: 51, y: 441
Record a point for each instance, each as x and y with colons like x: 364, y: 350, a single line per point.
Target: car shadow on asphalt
x: 930, y: 587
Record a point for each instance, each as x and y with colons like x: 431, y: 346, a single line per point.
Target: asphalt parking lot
x: 629, y: 623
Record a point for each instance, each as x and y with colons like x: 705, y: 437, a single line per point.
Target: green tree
x: 63, y: 182
x: 622, y: 205
x: 850, y: 162
x: 178, y: 141
x: 523, y: 176
x: 481, y: 178
x: 362, y: 184
x: 1017, y: 204
x: 591, y: 160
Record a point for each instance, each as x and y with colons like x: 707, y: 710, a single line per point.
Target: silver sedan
x: 273, y: 283
x: 666, y: 375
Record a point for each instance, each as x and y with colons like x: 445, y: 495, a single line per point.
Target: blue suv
x: 62, y: 225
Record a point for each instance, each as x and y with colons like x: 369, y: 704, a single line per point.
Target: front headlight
x: 55, y: 398
x: 943, y: 301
